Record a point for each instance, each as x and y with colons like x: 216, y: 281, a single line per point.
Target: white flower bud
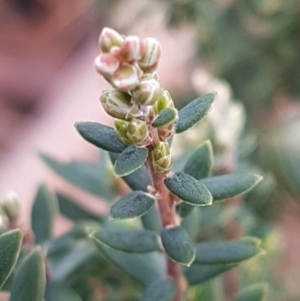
x: 106, y: 64
x: 118, y: 104
x: 109, y: 38
x: 131, y: 49
x: 151, y: 51
x: 126, y: 78
x: 147, y: 92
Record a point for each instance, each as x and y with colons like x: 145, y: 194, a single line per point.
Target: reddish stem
x: 166, y: 207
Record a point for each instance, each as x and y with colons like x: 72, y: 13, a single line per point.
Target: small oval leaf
x: 139, y: 179
x: 142, y: 267
x: 256, y: 292
x: 227, y: 252
x: 29, y: 282
x: 184, y: 209
x: 74, y: 211
x: 199, y: 165
x: 134, y: 204
x: 131, y: 159
x: 10, y: 245
x: 101, y: 136
x: 161, y: 289
x: 228, y: 186
x: 199, y: 273
x: 188, y: 189
x: 84, y: 175
x: 43, y: 213
x: 165, y: 117
x: 178, y: 245
x: 194, y: 112
x: 131, y: 241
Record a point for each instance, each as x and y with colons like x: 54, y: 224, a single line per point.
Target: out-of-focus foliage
x: 253, y: 44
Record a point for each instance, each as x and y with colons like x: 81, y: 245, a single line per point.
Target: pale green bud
x: 109, y: 38
x: 122, y: 128
x: 138, y: 132
x: 131, y: 49
x: 163, y: 101
x: 126, y: 78
x: 161, y: 157
x: 11, y: 204
x: 107, y: 64
x: 151, y: 51
x: 147, y: 92
x: 4, y: 221
x: 118, y: 104
x: 166, y: 132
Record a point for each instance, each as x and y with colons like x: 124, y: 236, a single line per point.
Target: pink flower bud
x: 151, y: 51
x: 147, y: 92
x: 131, y: 49
x: 126, y: 78
x: 106, y: 64
x: 109, y: 38
x: 118, y: 104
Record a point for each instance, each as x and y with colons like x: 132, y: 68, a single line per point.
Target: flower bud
x: 151, y: 51
x: 11, y: 204
x: 126, y: 78
x: 164, y: 101
x: 166, y: 132
x: 131, y: 49
x: 109, y: 38
x: 161, y: 157
x: 118, y: 104
x: 4, y: 221
x: 147, y: 92
x: 122, y: 129
x: 138, y: 132
x: 106, y: 64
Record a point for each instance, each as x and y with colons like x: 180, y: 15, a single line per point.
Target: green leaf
x: 165, y: 117
x: 161, y: 289
x: 184, y: 209
x: 151, y: 220
x: 10, y: 245
x: 194, y: 112
x: 131, y: 159
x: 178, y: 245
x: 143, y: 268
x: 256, y: 292
x: 139, y: 179
x: 132, y: 241
x: 84, y: 175
x: 131, y: 205
x: 101, y: 136
x: 74, y: 211
x: 199, y: 273
x: 58, y: 291
x: 188, y: 189
x: 227, y: 252
x: 190, y: 224
x: 228, y: 186
x: 42, y: 215
x: 77, y: 254
x: 200, y: 163
x: 29, y: 282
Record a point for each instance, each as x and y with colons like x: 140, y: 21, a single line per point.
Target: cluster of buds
x: 125, y: 60
x: 133, y: 132
x: 129, y: 65
x: 161, y: 157
x: 163, y: 102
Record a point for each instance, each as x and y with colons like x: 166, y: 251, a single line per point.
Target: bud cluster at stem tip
x: 129, y: 65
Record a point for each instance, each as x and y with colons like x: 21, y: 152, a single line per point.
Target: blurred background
x: 246, y: 50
